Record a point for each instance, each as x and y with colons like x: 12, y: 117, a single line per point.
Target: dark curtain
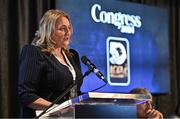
x: 18, y: 22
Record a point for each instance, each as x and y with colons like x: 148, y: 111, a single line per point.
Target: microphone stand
x: 65, y: 92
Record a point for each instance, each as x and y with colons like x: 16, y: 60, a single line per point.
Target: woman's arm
x: 30, y: 73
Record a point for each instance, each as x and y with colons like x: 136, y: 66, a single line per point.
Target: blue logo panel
x: 118, y: 64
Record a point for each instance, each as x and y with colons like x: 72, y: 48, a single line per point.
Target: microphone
x: 92, y: 67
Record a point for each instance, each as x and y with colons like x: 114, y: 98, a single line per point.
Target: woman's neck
x: 58, y: 52
x: 59, y: 55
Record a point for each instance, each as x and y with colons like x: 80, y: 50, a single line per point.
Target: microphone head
x: 92, y: 67
x: 84, y: 59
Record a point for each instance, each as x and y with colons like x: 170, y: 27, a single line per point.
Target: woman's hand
x: 63, y: 112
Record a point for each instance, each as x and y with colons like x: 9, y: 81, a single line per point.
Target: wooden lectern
x: 99, y: 105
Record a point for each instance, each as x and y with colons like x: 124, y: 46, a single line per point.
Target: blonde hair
x: 46, y: 28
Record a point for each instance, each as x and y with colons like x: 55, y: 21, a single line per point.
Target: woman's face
x: 62, y: 33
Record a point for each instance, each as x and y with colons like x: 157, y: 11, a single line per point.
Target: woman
x: 47, y: 66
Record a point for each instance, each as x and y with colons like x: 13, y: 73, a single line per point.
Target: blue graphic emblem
x: 118, y: 64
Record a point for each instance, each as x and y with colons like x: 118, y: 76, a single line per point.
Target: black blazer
x: 42, y: 75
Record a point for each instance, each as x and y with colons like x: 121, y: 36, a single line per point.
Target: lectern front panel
x: 105, y: 111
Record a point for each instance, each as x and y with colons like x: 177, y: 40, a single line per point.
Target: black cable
x: 98, y: 88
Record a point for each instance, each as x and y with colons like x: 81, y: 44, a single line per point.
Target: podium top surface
x: 119, y: 96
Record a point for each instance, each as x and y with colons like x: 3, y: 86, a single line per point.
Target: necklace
x: 60, y: 58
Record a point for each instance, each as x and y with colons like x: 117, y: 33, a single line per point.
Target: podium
x: 99, y: 105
